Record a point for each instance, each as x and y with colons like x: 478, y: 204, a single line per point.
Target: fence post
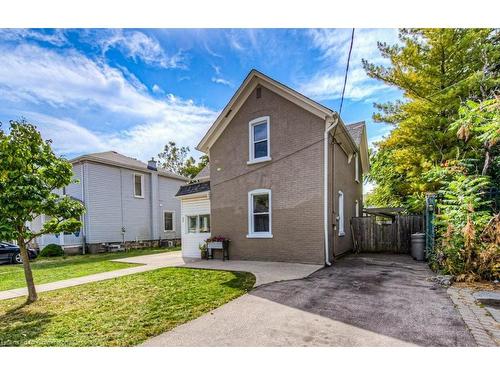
x: 430, y: 233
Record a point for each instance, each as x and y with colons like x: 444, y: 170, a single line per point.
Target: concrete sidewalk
x: 13, y: 293
x: 265, y: 272
x: 148, y: 263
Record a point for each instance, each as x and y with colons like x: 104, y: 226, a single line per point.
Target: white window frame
x: 251, y: 232
x: 251, y: 155
x: 198, y: 224
x: 142, y: 185
x: 356, y: 167
x: 356, y: 207
x: 341, y: 214
x: 173, y: 221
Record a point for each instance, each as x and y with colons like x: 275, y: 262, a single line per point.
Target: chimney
x: 152, y: 164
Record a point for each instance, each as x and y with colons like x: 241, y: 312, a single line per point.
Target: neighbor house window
x: 259, y: 145
x: 341, y: 214
x: 138, y: 185
x: 168, y: 221
x: 259, y: 214
x: 198, y: 224
x: 356, y: 167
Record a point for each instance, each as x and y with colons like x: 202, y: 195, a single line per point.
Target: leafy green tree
x: 436, y: 70
x: 191, y: 168
x: 478, y: 127
x: 30, y: 174
x: 467, y: 227
x: 173, y: 158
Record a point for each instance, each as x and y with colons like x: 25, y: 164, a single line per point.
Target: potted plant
x: 203, y: 251
x: 218, y: 243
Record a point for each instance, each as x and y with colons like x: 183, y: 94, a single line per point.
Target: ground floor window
x: 341, y: 214
x: 198, y: 224
x: 168, y: 221
x: 259, y: 214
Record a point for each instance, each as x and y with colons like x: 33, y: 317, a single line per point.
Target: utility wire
x: 346, y: 71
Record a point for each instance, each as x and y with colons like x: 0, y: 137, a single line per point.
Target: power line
x: 346, y: 71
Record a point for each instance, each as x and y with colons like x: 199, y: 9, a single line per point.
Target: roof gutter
x: 331, y: 122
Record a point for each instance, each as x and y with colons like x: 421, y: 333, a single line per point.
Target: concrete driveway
x: 265, y: 272
x: 363, y: 300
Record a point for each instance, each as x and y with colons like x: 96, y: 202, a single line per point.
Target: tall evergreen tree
x: 437, y: 70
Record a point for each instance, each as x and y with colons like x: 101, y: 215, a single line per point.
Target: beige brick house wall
x: 344, y: 180
x: 295, y: 177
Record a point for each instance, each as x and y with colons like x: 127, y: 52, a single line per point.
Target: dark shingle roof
x: 199, y: 187
x: 356, y: 131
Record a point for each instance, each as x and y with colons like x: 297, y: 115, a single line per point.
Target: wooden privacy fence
x: 372, y: 236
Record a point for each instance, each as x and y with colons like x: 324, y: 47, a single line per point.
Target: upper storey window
x: 259, y: 142
x: 138, y: 185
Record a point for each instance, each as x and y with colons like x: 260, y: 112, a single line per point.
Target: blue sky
x: 133, y: 90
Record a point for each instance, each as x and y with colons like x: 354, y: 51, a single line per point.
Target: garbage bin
x: 418, y: 246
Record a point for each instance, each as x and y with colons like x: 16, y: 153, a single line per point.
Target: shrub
x: 467, y: 229
x: 52, y: 250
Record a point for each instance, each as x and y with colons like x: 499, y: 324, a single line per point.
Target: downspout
x: 334, y: 121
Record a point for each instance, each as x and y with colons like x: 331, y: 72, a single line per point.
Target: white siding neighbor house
x: 128, y: 203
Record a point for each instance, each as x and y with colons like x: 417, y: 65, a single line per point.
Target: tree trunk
x: 486, y: 164
x: 32, y: 296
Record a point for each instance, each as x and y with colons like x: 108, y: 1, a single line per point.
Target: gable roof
x: 116, y: 159
x: 254, y: 79
x: 356, y: 130
x: 204, y: 174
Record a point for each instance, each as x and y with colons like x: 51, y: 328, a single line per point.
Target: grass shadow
x: 241, y: 281
x: 19, y: 326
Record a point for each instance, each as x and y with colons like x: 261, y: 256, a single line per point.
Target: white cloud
x: 139, y: 46
x: 62, y: 81
x: 68, y: 137
x: 56, y: 37
x: 211, y: 52
x: 334, y: 47
x: 157, y: 89
x: 216, y: 69
x: 234, y: 41
x: 221, y: 81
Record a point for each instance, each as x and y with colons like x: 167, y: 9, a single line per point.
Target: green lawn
x: 46, y: 270
x: 121, y: 312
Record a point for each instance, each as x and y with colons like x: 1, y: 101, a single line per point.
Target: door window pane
x: 192, y: 224
x: 204, y: 223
